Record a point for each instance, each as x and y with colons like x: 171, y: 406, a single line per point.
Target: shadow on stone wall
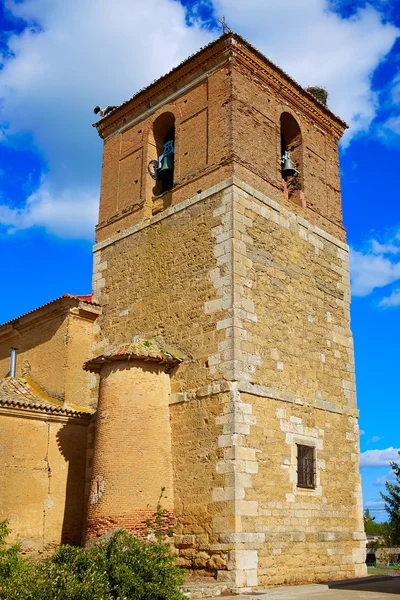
x: 72, y: 443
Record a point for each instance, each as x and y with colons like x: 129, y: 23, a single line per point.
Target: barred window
x: 305, y: 466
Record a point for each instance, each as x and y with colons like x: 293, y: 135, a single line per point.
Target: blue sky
x: 60, y: 59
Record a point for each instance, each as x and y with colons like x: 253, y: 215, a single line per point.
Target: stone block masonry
x: 266, y: 330
x: 247, y: 275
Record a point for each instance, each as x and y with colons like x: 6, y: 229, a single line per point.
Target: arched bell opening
x: 291, y: 157
x: 161, y: 167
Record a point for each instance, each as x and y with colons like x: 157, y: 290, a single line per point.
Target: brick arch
x: 292, y: 141
x: 161, y: 124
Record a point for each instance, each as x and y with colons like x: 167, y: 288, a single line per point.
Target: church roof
x: 19, y: 392
x: 86, y: 298
x: 139, y: 348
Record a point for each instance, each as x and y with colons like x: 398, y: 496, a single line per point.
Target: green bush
x: 121, y: 568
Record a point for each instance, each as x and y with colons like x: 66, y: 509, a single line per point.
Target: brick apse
x: 241, y: 270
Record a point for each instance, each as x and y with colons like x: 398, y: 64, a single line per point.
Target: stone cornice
x: 166, y: 86
x: 283, y: 84
x: 262, y: 391
x: 230, y: 46
x: 231, y: 181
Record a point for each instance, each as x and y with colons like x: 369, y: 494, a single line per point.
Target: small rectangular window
x: 305, y: 466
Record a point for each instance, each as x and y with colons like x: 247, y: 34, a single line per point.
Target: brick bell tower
x: 224, y: 347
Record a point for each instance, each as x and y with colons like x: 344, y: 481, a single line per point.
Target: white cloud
x: 374, y: 439
x: 377, y: 266
x: 379, y: 458
x: 374, y: 504
x: 72, y: 56
x: 77, y: 54
x: 362, y: 432
x: 318, y: 47
x: 59, y: 213
x: 396, y: 90
x: 390, y: 129
x: 388, y: 478
x: 388, y: 248
x: 392, y: 300
x: 370, y: 271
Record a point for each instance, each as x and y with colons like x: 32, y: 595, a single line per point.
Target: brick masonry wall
x: 132, y: 448
x: 202, y: 145
x: 231, y: 98
x: 257, y: 109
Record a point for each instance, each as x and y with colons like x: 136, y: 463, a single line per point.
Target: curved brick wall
x: 132, y: 454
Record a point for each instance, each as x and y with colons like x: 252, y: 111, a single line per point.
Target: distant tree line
x: 390, y: 529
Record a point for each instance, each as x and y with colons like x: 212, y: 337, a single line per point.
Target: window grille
x: 305, y: 466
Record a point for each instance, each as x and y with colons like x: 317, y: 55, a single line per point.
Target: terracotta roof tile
x: 18, y: 392
x: 87, y: 298
x: 139, y: 348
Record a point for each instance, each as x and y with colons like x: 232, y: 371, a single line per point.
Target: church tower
x: 224, y: 348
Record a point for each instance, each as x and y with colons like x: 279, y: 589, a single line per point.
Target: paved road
x: 373, y: 589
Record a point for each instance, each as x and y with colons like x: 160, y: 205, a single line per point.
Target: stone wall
x: 42, y: 476
x: 305, y: 534
x: 257, y: 299
x: 153, y: 282
x: 196, y: 454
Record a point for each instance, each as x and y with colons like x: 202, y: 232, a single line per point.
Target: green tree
x: 392, y: 505
x: 367, y: 516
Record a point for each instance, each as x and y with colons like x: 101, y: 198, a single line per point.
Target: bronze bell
x: 166, y: 167
x: 288, y: 166
x: 166, y: 161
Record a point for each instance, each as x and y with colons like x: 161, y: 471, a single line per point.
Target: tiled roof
x: 18, y: 392
x: 140, y: 348
x: 87, y: 298
x: 226, y: 36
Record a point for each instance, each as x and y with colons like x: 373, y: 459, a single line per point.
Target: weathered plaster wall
x: 41, y: 352
x: 51, y: 349
x: 80, y: 386
x: 42, y: 477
